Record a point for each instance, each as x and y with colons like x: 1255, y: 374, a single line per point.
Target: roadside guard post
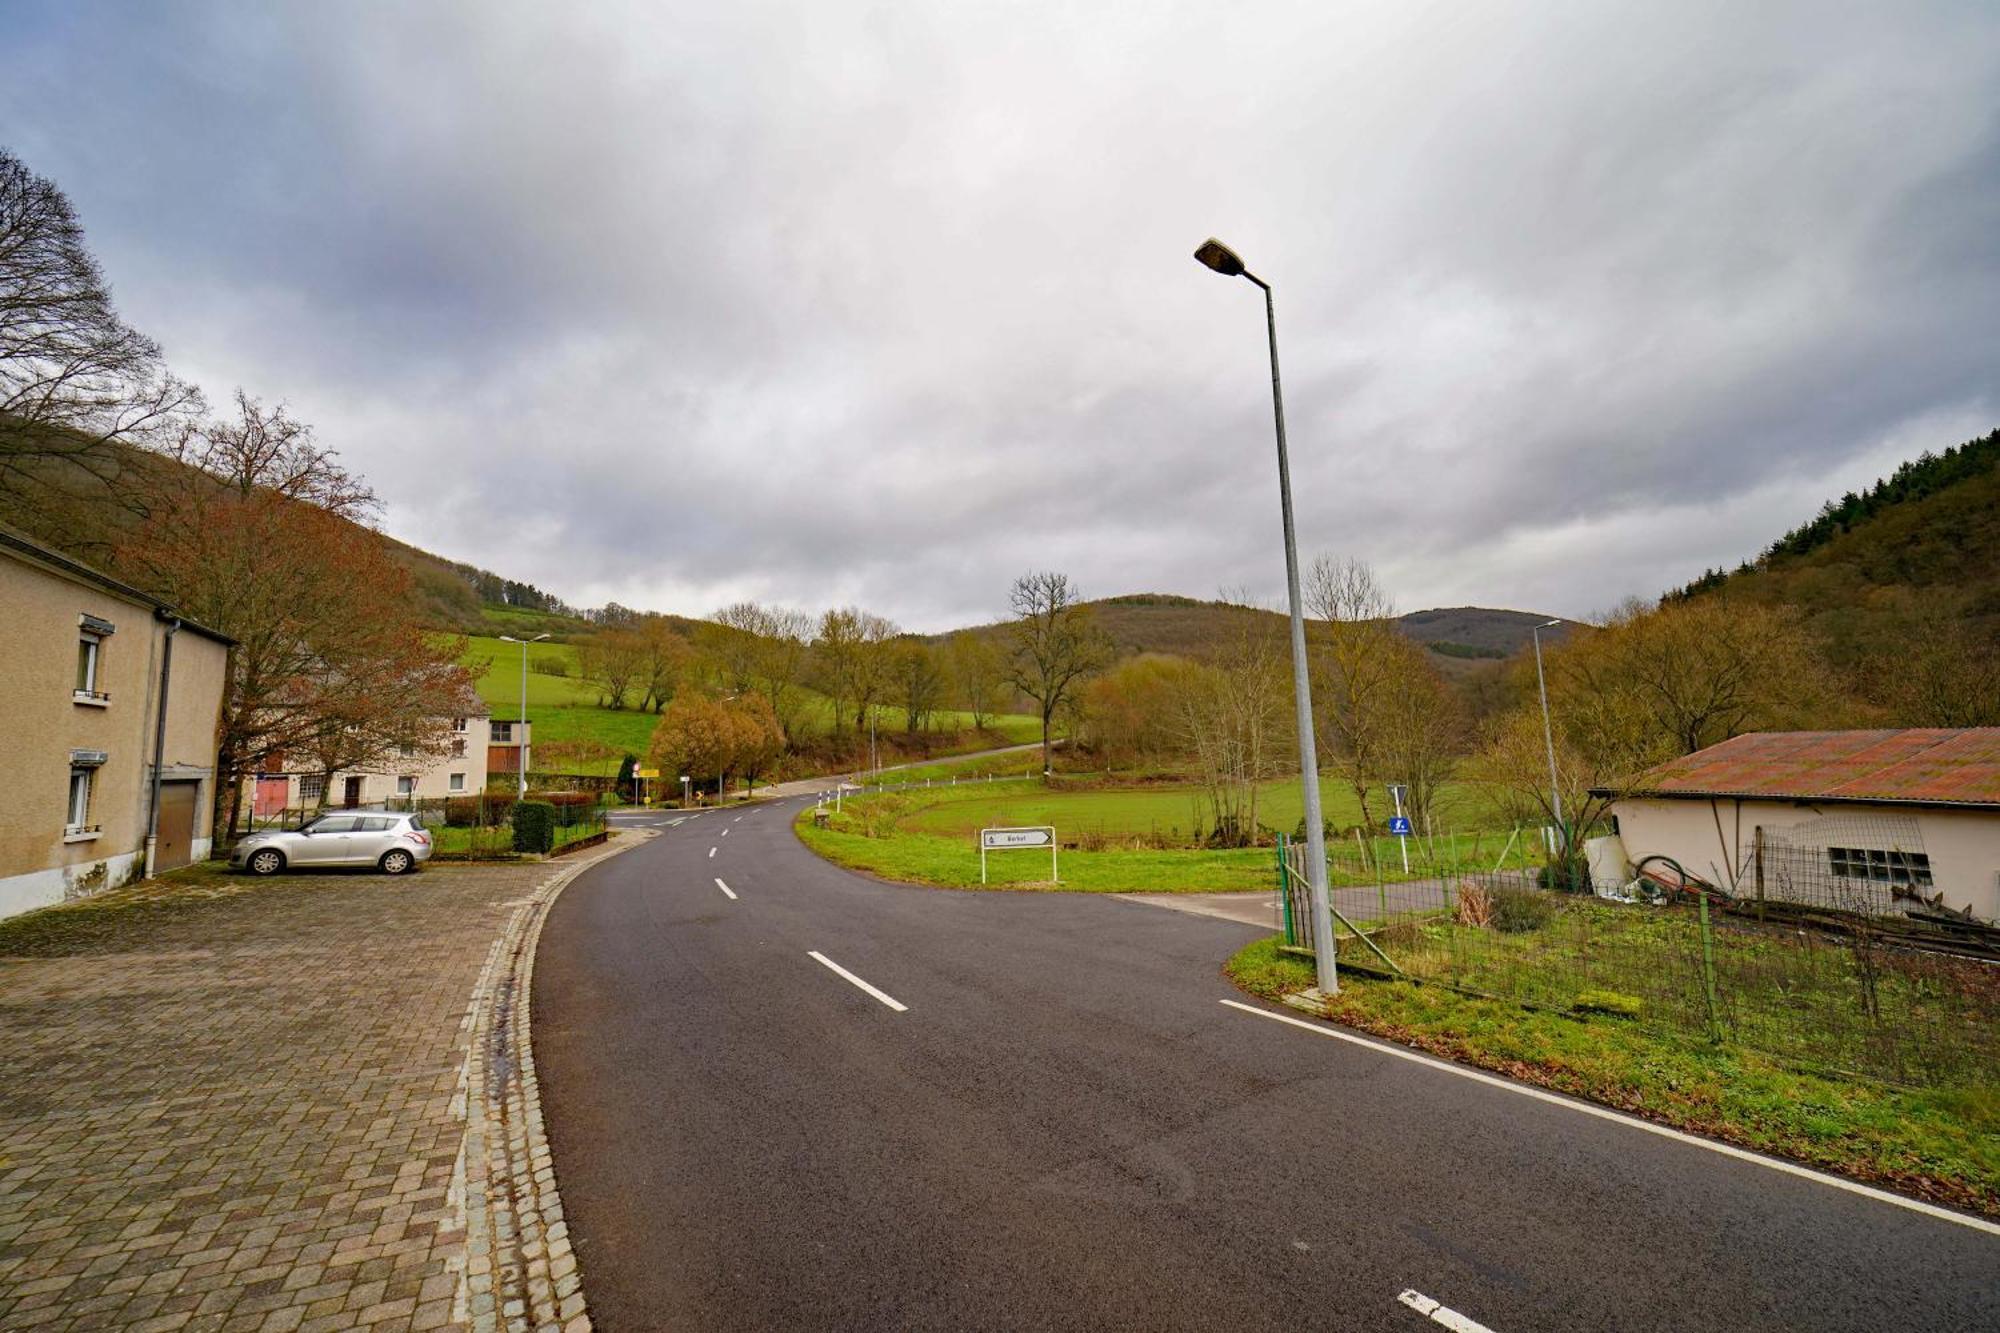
x: 1017, y: 839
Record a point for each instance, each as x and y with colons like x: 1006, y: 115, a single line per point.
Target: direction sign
x: 1399, y: 825
x: 1017, y: 839
x: 645, y: 772
x: 1002, y: 839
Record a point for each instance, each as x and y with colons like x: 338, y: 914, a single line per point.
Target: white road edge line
x: 726, y: 889
x: 1441, y: 1314
x: 838, y: 970
x: 1619, y: 1117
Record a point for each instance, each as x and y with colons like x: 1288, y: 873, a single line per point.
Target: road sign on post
x: 1015, y: 840
x: 1400, y: 824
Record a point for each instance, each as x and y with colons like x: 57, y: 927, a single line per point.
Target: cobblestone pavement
x: 235, y: 1107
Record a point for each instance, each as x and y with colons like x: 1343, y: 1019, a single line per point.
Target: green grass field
x: 929, y: 836
x: 1941, y: 1144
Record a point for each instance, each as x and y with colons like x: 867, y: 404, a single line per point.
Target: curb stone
x: 519, y: 1271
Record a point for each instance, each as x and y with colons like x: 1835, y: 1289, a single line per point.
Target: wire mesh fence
x: 1859, y: 998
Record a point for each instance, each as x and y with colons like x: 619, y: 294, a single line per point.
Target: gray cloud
x: 820, y: 303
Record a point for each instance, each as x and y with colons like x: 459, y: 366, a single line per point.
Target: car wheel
x: 266, y: 862
x: 396, y: 862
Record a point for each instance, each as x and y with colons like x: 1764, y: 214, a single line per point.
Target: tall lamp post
x: 521, y: 750
x: 1549, y: 738
x: 1225, y: 261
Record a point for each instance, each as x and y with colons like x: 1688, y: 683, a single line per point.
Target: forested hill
x: 1917, y: 553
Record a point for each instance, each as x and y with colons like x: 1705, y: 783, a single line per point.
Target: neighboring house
x: 461, y: 771
x: 1883, y: 821
x: 507, y: 747
x: 90, y: 666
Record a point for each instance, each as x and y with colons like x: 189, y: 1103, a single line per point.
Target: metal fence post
x: 1708, y: 970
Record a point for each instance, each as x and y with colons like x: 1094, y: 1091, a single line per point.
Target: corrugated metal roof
x: 1922, y: 765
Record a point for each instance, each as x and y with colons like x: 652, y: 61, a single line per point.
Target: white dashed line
x: 838, y: 970
x: 726, y: 889
x: 1441, y: 1314
x: 1618, y: 1117
x: 711, y: 851
x: 725, y: 833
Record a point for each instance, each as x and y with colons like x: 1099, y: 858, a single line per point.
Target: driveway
x: 236, y: 1104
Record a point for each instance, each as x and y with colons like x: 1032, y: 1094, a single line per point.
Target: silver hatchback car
x: 392, y: 842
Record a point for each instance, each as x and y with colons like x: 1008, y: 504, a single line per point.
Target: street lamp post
x: 521, y: 750
x: 1549, y: 739
x: 1225, y: 261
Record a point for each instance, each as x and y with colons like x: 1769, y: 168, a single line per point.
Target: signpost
x: 1400, y: 823
x: 1018, y: 839
x: 644, y: 775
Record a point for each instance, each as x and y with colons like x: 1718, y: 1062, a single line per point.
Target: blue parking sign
x: 1399, y: 825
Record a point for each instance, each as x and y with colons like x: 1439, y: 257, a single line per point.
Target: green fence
x: 1853, y: 994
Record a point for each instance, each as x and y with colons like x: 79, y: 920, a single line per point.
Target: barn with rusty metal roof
x: 1898, y: 820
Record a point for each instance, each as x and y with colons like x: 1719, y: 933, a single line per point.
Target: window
x: 89, y: 652
x: 333, y: 824
x: 458, y: 724
x: 457, y: 782
x: 79, y: 800
x: 405, y: 786
x: 377, y: 823
x: 458, y: 747
x: 312, y: 786
x: 1881, y: 867
x: 503, y: 732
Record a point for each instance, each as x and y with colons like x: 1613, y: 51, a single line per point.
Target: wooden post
x: 1757, y: 854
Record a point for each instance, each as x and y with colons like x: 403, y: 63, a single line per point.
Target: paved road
x: 1064, y: 1127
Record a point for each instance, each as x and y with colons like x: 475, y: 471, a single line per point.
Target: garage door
x: 176, y: 844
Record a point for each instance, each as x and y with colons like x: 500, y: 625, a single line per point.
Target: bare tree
x: 273, y: 451
x: 766, y: 649
x: 1056, y: 644
x: 75, y: 381
x: 918, y: 680
x: 978, y: 673
x: 1354, y: 660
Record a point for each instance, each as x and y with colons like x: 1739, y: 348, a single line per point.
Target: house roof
x: 1950, y: 766
x: 20, y: 544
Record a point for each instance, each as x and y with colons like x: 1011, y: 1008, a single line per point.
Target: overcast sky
x: 819, y: 302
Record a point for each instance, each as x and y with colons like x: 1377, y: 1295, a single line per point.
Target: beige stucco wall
x: 1715, y: 839
x: 42, y: 721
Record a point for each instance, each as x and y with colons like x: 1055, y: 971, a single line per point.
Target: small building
x: 461, y: 771
x: 110, y: 717
x: 1881, y: 821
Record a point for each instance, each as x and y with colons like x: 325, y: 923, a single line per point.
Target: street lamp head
x: 1220, y: 258
x: 1548, y: 624
x: 538, y: 638
x: 508, y: 638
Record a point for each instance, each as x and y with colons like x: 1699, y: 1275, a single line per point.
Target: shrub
x: 477, y: 811
x: 534, y: 826
x: 1518, y: 910
x: 549, y: 664
x: 1475, y: 905
x: 568, y: 802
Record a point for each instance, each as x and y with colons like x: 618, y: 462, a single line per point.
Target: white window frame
x: 90, y: 652
x: 76, y: 814
x: 456, y: 782
x: 503, y: 733
x: 406, y: 786
x: 312, y: 786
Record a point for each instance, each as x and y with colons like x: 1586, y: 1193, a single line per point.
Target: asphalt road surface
x: 801, y: 1098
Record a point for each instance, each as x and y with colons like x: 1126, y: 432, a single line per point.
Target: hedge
x: 534, y: 827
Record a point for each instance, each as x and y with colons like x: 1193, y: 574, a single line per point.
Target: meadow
x: 566, y: 708
x: 1115, y: 840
